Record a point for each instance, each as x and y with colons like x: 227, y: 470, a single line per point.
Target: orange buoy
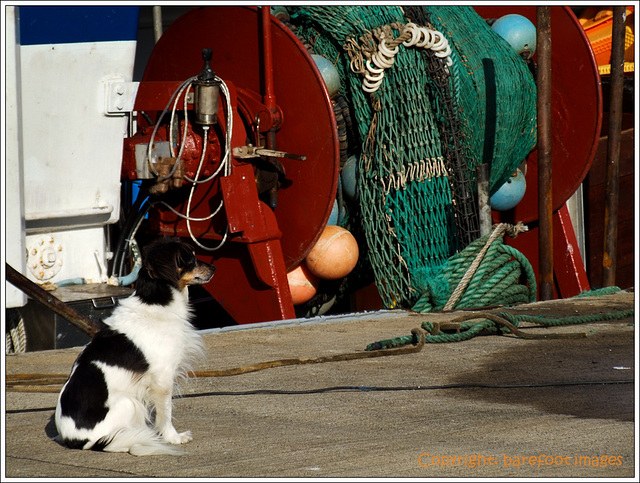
x: 303, y: 284
x: 334, y: 255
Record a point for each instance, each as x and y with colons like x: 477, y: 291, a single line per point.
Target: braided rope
x: 505, y: 322
x: 548, y: 321
x: 498, y: 232
x: 16, y: 338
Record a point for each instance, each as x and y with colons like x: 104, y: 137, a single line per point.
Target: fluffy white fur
x: 170, y: 345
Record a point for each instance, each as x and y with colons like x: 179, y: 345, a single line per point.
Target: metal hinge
x: 119, y: 96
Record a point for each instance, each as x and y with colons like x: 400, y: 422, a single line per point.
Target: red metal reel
x: 308, y: 127
x: 576, y: 108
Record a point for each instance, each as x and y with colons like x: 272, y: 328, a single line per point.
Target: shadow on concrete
x: 599, y: 359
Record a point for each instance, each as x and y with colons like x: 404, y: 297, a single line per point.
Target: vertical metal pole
x: 484, y: 207
x: 609, y: 253
x: 269, y: 97
x: 545, y: 207
x: 157, y: 23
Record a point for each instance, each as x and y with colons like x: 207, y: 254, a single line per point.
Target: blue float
x: 329, y: 74
x: 510, y: 193
x: 349, y: 174
x: 518, y: 31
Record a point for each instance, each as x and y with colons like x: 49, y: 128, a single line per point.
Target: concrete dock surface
x: 490, y: 407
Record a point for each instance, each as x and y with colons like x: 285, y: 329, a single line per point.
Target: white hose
x: 224, y: 168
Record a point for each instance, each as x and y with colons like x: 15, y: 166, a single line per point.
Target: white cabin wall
x: 67, y: 155
x: 13, y: 240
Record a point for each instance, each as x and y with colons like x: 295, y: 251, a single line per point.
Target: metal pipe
x: 157, y: 23
x: 484, y: 207
x: 269, y: 98
x: 609, y: 253
x: 545, y: 207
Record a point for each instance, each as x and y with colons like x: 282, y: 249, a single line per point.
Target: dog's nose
x: 204, y: 273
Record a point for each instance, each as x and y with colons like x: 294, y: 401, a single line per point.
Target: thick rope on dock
x: 469, y: 325
x: 487, y: 273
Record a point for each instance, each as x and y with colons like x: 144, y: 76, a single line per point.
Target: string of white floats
x: 385, y: 56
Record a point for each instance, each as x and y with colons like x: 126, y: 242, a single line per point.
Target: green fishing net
x: 424, y: 130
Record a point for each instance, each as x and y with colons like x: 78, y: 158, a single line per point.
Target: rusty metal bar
x: 609, y: 253
x: 36, y: 292
x: 545, y: 207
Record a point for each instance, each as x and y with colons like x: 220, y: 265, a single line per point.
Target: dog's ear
x: 162, y: 258
x: 161, y: 271
x: 185, y: 258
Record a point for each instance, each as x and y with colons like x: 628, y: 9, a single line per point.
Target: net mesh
x: 424, y: 130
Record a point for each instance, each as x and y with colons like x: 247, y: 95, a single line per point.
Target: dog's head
x: 169, y: 263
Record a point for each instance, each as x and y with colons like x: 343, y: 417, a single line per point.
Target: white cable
x: 227, y: 154
x: 200, y: 164
x: 186, y: 126
x: 157, y: 126
x: 225, y: 163
x: 193, y: 187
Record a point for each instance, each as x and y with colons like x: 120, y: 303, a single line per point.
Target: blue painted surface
x: 64, y: 24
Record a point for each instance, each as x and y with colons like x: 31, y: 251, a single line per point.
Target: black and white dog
x: 119, y: 395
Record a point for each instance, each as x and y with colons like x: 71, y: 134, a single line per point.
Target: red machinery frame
x: 273, y: 91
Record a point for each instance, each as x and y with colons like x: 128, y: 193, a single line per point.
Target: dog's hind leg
x: 126, y: 430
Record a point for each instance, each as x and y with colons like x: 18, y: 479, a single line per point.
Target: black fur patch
x: 102, y: 443
x: 84, y: 399
x: 75, y: 443
x: 114, y: 349
x: 153, y: 291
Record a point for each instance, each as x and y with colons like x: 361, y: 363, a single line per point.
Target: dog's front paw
x: 178, y: 438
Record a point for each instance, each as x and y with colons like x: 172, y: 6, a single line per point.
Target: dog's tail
x: 137, y: 441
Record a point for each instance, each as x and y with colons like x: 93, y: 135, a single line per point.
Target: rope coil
x: 498, y: 232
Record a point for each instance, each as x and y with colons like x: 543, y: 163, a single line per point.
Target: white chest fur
x: 164, y: 334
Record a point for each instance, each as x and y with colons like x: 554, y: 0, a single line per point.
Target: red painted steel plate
x: 234, y: 33
x: 576, y: 108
